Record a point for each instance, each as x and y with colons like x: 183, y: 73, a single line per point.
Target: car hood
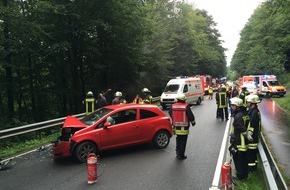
x: 73, y: 122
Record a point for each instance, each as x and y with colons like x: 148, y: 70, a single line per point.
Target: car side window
x: 147, y: 114
x: 124, y: 116
x: 185, y: 89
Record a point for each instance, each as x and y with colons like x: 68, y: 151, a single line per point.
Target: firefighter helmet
x: 237, y: 102
x: 145, y: 90
x: 253, y: 99
x: 118, y: 94
x: 181, y: 97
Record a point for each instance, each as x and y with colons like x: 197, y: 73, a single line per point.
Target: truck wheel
x: 268, y: 95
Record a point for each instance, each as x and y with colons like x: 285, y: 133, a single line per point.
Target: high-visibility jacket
x: 138, y: 101
x: 210, y: 91
x: 148, y: 99
x: 221, y: 99
x: 254, y: 126
x: 179, y: 118
x: 238, y: 133
x: 243, y: 95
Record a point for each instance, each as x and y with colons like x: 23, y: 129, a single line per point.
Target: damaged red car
x: 111, y: 127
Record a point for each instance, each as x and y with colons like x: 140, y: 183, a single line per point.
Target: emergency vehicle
x: 190, y: 86
x: 206, y: 81
x: 268, y: 85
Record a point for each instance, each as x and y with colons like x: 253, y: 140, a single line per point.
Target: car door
x: 123, y: 132
x: 148, y: 123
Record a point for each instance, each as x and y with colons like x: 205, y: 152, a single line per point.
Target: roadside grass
x: 15, y: 148
x: 255, y: 181
x: 283, y: 102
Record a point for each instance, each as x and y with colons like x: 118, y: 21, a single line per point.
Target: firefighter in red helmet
x: 181, y: 115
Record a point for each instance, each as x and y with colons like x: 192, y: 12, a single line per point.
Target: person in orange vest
x: 138, y: 100
x: 181, y: 115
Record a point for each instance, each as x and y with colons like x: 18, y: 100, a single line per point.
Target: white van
x: 190, y: 86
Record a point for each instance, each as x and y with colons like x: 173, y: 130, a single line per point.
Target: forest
x: 54, y: 51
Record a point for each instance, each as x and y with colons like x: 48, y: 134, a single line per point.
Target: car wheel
x: 161, y: 139
x: 198, y: 101
x: 83, y: 150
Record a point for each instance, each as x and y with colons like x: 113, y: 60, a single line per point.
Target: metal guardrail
x: 42, y: 125
x: 272, y: 173
x: 33, y: 127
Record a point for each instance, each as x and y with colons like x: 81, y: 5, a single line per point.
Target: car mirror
x: 107, y: 124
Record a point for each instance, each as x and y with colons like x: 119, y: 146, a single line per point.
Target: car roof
x: 131, y: 105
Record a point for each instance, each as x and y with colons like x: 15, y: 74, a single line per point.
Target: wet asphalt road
x: 276, y: 127
x: 138, y: 168
x: 144, y: 167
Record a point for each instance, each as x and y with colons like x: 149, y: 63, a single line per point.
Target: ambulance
x: 190, y: 86
x: 268, y: 85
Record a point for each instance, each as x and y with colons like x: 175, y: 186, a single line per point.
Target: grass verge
x: 15, y: 148
x: 255, y: 181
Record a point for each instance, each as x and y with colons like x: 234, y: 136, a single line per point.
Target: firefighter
x: 233, y: 93
x: 244, y: 92
x: 222, y: 103
x: 210, y: 93
x: 138, y: 100
x: 181, y: 115
x: 238, y: 142
x: 118, y: 98
x: 253, y: 131
x: 148, y: 97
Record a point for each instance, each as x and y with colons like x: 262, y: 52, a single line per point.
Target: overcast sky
x: 231, y: 17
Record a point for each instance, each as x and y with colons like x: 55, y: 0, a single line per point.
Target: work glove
x: 249, y: 135
x: 193, y: 123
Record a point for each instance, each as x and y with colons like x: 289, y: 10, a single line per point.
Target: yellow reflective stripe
x: 181, y: 131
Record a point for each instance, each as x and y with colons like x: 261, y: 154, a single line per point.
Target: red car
x: 111, y: 127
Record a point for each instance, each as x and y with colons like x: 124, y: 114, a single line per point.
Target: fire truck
x: 206, y: 81
x: 268, y: 85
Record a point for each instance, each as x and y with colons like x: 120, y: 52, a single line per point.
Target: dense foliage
x: 54, y: 51
x: 264, y: 46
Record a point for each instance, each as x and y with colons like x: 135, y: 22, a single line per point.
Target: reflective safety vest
x: 240, y: 140
x: 222, y: 100
x: 256, y: 130
x: 210, y: 91
x: 180, y: 119
x: 138, y: 101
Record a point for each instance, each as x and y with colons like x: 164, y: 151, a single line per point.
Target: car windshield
x: 171, y: 88
x: 95, y: 116
x: 274, y: 83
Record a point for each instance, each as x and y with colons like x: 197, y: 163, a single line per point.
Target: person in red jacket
x: 181, y: 115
